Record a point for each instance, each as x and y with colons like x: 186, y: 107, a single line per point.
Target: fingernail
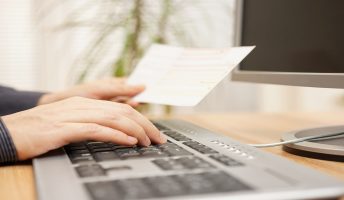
x: 147, y: 141
x: 163, y: 138
x: 132, y: 140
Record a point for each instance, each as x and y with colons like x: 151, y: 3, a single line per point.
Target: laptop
x: 195, y: 163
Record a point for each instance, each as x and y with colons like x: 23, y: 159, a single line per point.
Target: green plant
x: 139, y: 24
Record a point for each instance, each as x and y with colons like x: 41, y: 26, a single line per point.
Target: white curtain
x: 18, y: 53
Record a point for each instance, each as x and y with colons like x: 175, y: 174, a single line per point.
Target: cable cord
x: 303, y: 139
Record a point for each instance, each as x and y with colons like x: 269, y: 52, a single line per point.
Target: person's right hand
x: 43, y: 128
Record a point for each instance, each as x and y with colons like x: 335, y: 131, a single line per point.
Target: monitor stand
x: 326, y: 149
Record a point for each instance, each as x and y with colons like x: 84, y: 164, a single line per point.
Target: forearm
x: 8, y: 152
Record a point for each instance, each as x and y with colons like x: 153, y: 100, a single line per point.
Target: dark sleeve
x: 12, y: 101
x: 8, y: 153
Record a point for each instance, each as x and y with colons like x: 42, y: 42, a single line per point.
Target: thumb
x: 128, y: 90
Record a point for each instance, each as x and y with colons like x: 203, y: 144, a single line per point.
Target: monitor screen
x: 294, y: 35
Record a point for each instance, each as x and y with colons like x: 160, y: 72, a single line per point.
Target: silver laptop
x: 194, y: 164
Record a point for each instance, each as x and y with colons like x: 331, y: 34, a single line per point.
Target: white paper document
x: 183, y: 76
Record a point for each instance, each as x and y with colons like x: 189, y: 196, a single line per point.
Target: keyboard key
x: 103, y: 191
x: 101, y: 149
x: 196, y: 183
x: 151, y: 151
x: 212, y: 182
x: 90, y: 170
x: 83, y: 151
x: 161, y: 127
x: 77, y: 144
x: 225, y: 182
x: 200, y: 147
x: 105, y: 156
x: 173, y: 150
x: 182, y: 163
x: 165, y: 186
x: 226, y: 160
x: 177, y: 136
x: 153, y: 154
x: 74, y: 155
x: 168, y: 164
x: 115, y: 147
x: 134, y: 189
x: 149, y: 148
x: 96, y: 145
x: 127, y: 153
x: 73, y: 148
x: 79, y: 153
x: 78, y: 160
x: 193, y: 163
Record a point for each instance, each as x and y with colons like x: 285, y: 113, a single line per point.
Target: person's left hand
x: 114, y: 89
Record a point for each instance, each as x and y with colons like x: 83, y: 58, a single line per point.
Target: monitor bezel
x: 324, y: 80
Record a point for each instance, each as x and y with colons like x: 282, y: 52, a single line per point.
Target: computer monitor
x: 298, y: 42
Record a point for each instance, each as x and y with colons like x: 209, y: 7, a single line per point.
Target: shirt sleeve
x: 12, y: 101
x: 8, y: 153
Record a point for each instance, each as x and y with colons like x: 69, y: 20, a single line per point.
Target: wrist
x: 50, y: 98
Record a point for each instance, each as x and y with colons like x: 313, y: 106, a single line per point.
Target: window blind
x: 17, y: 44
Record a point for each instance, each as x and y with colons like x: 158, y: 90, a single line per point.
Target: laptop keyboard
x: 98, y: 151
x: 169, y: 157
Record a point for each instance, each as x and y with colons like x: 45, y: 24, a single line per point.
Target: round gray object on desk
x: 325, y: 149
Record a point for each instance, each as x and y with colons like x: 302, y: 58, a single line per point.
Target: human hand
x: 114, y: 89
x: 43, y: 128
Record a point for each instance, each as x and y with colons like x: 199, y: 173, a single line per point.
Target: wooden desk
x: 17, y: 182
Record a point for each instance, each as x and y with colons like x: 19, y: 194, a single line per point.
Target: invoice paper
x: 183, y: 76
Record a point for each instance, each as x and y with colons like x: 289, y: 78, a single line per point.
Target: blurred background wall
x: 43, y: 44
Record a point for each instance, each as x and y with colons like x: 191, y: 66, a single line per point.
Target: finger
x: 126, y: 100
x: 133, y: 129
x: 77, y: 132
x: 132, y: 103
x: 122, y: 109
x: 108, y: 91
x: 114, y: 121
x: 115, y: 80
x: 128, y: 90
x: 152, y: 132
x: 120, y: 99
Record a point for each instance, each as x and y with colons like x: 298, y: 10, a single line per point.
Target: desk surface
x: 17, y: 182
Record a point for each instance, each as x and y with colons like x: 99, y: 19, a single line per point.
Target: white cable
x: 308, y: 138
